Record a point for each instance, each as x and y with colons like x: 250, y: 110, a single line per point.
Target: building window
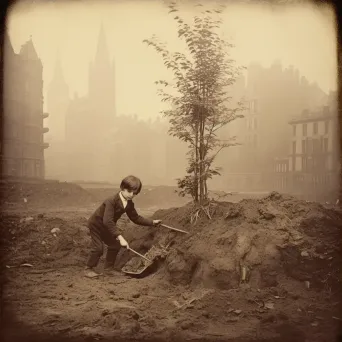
x: 316, y: 146
x: 294, y: 147
x: 294, y: 127
x: 325, y: 145
x: 326, y: 127
x: 304, y: 162
x: 305, y: 130
x: 315, y: 127
x: 304, y: 146
x: 309, y: 146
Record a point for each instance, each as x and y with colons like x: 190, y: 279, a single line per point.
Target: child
x: 102, y: 224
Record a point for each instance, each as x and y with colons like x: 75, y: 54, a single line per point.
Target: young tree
x: 198, y: 98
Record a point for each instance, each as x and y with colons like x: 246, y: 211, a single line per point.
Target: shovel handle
x: 177, y: 230
x: 142, y: 256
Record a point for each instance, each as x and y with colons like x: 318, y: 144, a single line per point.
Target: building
x: 90, y: 122
x: 312, y: 167
x: 272, y: 96
x: 22, y: 150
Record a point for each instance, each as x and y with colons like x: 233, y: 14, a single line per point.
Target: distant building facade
x: 22, y: 149
x: 313, y: 165
x: 272, y: 97
x: 90, y: 122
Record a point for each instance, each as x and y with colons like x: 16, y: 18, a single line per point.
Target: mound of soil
x: 272, y: 237
x: 44, y: 194
x: 42, y: 241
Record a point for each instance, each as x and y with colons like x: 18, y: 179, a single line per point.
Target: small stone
x: 237, y: 312
x: 304, y: 254
x: 26, y: 219
x: 135, y: 327
x: 55, y: 230
x: 105, y: 312
x: 186, y: 325
x: 136, y: 295
x: 269, y: 305
x: 135, y: 316
x: 314, y: 324
x: 70, y: 285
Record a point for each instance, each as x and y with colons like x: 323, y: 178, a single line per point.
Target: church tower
x: 102, y: 82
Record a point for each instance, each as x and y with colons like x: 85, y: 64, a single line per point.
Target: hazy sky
x: 304, y: 37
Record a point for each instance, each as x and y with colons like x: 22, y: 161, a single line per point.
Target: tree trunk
x: 196, y: 164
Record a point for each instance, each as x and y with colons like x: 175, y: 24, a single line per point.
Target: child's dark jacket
x: 108, y: 213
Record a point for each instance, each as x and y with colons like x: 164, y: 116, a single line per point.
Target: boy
x: 102, y: 224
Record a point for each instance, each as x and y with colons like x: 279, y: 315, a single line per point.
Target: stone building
x: 90, y: 121
x: 313, y: 163
x: 273, y: 96
x: 22, y: 150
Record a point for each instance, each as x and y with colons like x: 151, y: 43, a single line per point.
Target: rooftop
x: 313, y: 116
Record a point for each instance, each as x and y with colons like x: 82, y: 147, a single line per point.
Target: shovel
x: 175, y: 229
x: 148, y: 269
x: 142, y: 256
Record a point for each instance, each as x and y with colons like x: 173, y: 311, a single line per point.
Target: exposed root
x: 195, y: 214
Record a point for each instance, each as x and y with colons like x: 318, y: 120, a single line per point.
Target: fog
x: 104, y: 113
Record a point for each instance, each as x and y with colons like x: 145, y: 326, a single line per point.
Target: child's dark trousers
x: 98, y: 239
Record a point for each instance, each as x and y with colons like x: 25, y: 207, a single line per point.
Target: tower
x: 102, y: 82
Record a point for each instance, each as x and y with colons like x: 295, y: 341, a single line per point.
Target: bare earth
x: 291, y: 250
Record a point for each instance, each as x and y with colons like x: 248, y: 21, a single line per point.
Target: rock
x: 269, y: 305
x: 135, y: 315
x: 26, y: 219
x: 55, y: 230
x: 105, y: 312
x: 136, y: 295
x: 186, y: 325
x: 267, y: 215
x: 237, y: 312
x: 304, y: 254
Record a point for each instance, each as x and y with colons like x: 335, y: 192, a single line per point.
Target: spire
x: 28, y: 51
x: 58, y: 75
x: 102, y: 53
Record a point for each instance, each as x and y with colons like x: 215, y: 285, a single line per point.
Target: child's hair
x: 131, y: 183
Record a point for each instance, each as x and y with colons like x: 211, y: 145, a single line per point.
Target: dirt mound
x: 264, y: 239
x: 44, y: 194
x: 43, y: 242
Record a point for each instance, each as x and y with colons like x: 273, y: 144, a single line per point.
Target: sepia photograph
x: 170, y: 171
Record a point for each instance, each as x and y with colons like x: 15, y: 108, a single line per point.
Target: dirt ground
x: 290, y: 251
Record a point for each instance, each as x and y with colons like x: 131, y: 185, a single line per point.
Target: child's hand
x: 123, y: 242
x: 157, y: 222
